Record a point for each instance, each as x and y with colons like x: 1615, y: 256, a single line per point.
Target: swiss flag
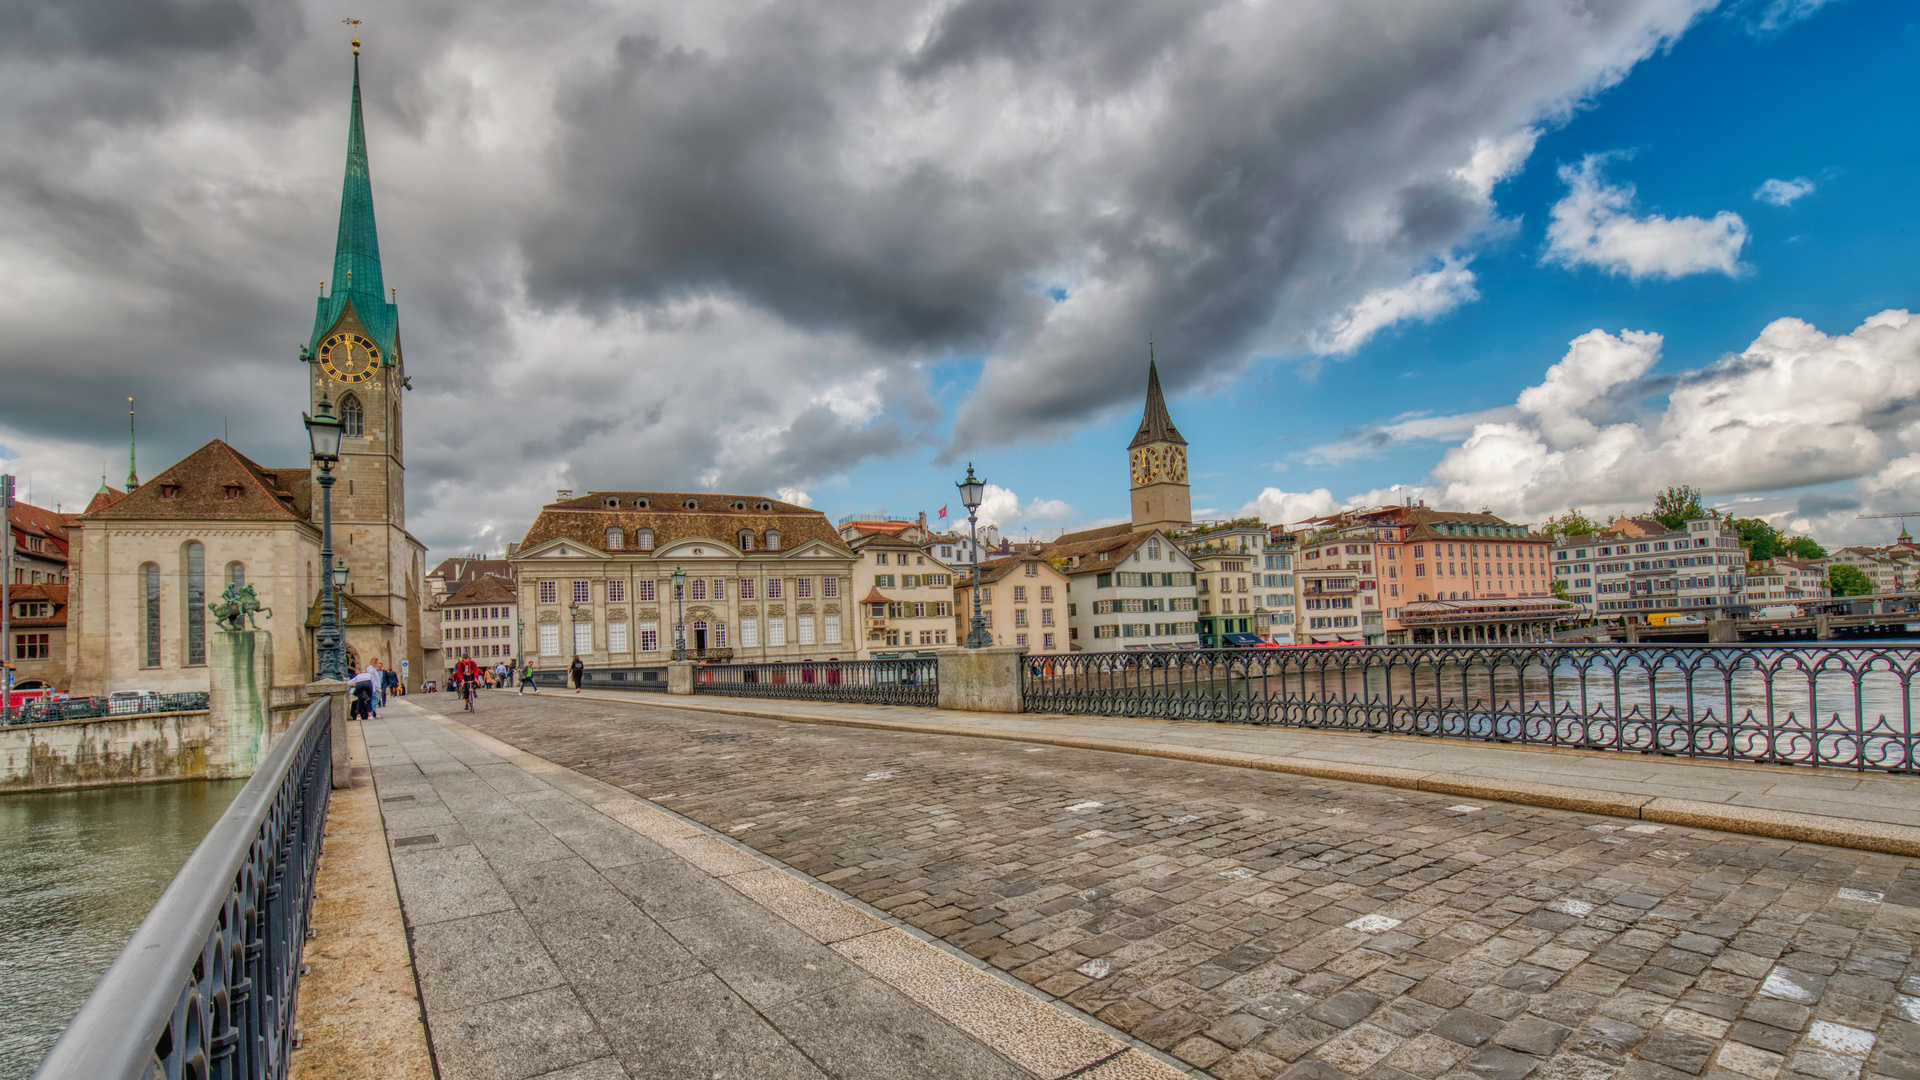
x: 943, y: 511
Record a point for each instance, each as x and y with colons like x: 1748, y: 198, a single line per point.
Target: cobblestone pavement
x: 1259, y: 925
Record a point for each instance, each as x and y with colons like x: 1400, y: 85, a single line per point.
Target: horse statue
x: 236, y: 608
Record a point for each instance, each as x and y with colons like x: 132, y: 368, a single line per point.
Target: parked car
x: 132, y: 701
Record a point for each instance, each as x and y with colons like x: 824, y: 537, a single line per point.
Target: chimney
x: 564, y: 494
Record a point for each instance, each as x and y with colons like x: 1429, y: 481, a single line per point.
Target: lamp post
x: 323, y: 437
x: 971, y: 491
x: 679, y: 614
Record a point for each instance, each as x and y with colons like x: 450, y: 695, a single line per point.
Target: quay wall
x: 108, y: 751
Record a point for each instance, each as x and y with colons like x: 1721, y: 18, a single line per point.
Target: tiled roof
x: 586, y: 519
x: 1104, y: 532
x: 993, y: 570
x: 486, y: 589
x: 55, y: 593
x: 889, y: 541
x: 456, y: 570
x: 105, y: 497
x: 214, y: 483
x: 1088, y: 552
x: 358, y: 614
x: 1155, y: 425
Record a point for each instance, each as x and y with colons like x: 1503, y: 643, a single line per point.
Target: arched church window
x: 150, y: 589
x: 643, y: 539
x: 353, y: 418
x: 196, y: 605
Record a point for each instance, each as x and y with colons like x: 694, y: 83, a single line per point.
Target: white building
x: 1640, y: 567
x: 1127, y: 590
x: 905, y: 595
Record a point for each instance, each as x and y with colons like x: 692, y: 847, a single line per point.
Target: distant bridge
x: 1875, y: 616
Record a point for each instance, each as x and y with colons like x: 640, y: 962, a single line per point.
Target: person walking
x: 361, y: 686
x: 526, y: 678
x: 578, y: 670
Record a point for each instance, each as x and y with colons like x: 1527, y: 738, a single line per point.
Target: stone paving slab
x: 1602, y: 781
x: 561, y: 928
x: 1260, y: 924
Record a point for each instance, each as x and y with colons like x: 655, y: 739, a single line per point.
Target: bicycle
x: 469, y: 693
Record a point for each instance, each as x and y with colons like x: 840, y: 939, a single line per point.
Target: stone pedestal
x: 342, y: 763
x: 680, y: 676
x: 1723, y: 631
x: 981, y: 680
x: 239, y: 692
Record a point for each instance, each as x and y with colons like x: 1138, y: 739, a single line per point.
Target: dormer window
x: 765, y: 506
x: 642, y: 503
x: 168, y: 491
x: 643, y: 539
x: 740, y: 504
x: 233, y: 491
x: 691, y: 504
x: 614, y: 536
x: 773, y: 539
x: 746, y: 539
x: 612, y: 501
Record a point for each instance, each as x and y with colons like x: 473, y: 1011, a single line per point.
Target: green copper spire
x: 133, y: 469
x: 356, y: 251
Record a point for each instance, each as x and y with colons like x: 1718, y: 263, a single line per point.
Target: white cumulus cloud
x: 1421, y: 297
x: 1595, y: 225
x: 1783, y: 192
x: 1003, y: 508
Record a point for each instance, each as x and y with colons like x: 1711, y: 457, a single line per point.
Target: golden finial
x: 349, y: 281
x: 323, y: 288
x: 396, y: 293
x: 356, y: 40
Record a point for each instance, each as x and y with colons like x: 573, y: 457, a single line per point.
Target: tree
x: 1762, y: 539
x: 1804, y: 547
x: 1676, y: 506
x: 1571, y: 523
x: 1559, y: 589
x: 1847, y: 580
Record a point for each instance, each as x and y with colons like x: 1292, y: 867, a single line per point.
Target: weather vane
x: 356, y: 39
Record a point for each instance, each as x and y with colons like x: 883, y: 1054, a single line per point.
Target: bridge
x: 1886, y: 616
x: 1379, y: 869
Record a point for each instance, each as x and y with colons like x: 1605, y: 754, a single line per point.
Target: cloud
x: 1002, y: 507
x: 665, y: 245
x: 1783, y: 192
x: 1797, y: 408
x: 1594, y: 225
x: 1777, y: 15
x: 1375, y: 439
x: 1423, y: 297
x: 1278, y: 507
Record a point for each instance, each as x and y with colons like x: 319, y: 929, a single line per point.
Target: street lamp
x: 323, y: 436
x: 971, y: 491
x: 679, y: 614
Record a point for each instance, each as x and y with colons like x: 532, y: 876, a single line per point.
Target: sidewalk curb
x: 1884, y: 837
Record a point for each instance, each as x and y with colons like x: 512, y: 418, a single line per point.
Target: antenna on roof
x: 133, y: 474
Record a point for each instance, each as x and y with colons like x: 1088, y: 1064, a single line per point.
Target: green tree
x: 1762, y: 539
x: 1559, y: 589
x: 1571, y: 523
x: 1847, y: 580
x: 1676, y: 506
x: 1804, y: 547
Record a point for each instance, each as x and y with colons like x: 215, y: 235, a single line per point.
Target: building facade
x: 1277, y: 595
x: 1885, y: 572
x: 1636, y: 569
x: 1230, y: 570
x: 1785, y: 581
x: 905, y: 595
x: 480, y: 620
x: 760, y: 580
x: 1023, y: 599
x: 1127, y: 590
x: 39, y: 539
x: 38, y: 652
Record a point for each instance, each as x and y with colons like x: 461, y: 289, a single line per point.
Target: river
x: 78, y: 871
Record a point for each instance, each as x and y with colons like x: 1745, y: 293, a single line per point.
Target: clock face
x: 349, y: 358
x: 1177, y: 466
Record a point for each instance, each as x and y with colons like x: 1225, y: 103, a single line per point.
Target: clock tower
x: 1158, y: 458
x: 357, y: 363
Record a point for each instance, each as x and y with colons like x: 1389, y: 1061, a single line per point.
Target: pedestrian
x: 391, y: 684
x: 377, y: 676
x: 526, y: 678
x: 578, y: 670
x: 361, y: 685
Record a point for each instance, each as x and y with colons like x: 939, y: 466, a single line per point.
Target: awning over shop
x: 1242, y: 641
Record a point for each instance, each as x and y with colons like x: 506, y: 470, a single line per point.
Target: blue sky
x: 1696, y: 130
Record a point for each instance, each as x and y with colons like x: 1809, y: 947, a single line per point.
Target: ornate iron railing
x: 1844, y: 707
x: 875, y: 682
x: 206, y: 987
x: 93, y: 708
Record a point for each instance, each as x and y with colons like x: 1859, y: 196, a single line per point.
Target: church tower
x: 1158, y: 457
x: 357, y: 364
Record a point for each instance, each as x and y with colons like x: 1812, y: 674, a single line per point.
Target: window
x: 32, y: 646
x: 747, y: 591
x: 1106, y: 631
x: 614, y: 537
x: 745, y: 537
x: 719, y: 588
x: 719, y: 635
x: 880, y: 558
x: 643, y: 539
x: 909, y: 581
x: 1019, y: 616
x: 773, y: 539
x: 236, y: 573
x: 617, y: 637
x: 1046, y: 616
x: 616, y: 592
x: 1153, y: 549
x: 582, y: 592
x: 549, y: 639
x: 353, y: 418
x: 830, y: 627
x: 1046, y: 593
x: 805, y: 626
x: 773, y: 589
x: 196, y: 605
x: 549, y: 592
x: 776, y: 632
x: 1020, y: 640
x: 582, y: 637
x: 830, y: 587
x: 1046, y: 641
x: 883, y: 581
x: 803, y: 590
x: 644, y: 590
x: 749, y: 632
x: 1032, y: 569
x: 697, y: 589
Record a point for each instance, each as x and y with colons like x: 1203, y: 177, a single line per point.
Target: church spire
x: 357, y: 280
x: 1155, y: 425
x: 133, y: 471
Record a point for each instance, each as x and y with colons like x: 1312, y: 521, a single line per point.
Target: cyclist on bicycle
x: 466, y: 675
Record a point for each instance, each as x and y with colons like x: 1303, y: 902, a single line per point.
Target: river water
x: 78, y: 871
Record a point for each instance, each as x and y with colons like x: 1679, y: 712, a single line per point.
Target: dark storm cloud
x: 656, y: 244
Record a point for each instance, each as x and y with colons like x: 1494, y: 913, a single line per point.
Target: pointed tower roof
x: 357, y: 280
x: 1155, y: 426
